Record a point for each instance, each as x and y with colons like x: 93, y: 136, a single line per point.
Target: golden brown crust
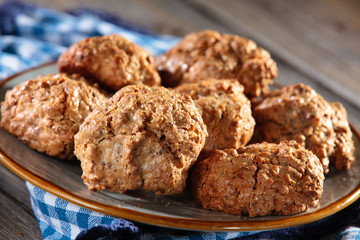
x: 225, y: 110
x: 144, y: 137
x: 45, y: 113
x: 298, y: 113
x: 259, y: 179
x: 111, y: 60
x: 209, y: 54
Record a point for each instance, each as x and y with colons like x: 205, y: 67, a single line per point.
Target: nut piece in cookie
x: 112, y: 61
x: 209, y: 54
x: 260, y: 179
x: 45, y: 113
x: 225, y: 110
x: 298, y: 113
x: 144, y: 137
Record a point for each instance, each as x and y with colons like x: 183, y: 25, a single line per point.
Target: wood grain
x: 17, y: 220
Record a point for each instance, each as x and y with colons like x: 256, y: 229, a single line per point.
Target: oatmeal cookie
x: 144, y: 137
x: 209, y: 54
x: 259, y: 180
x: 225, y: 110
x: 45, y: 113
x: 112, y: 61
x: 298, y: 113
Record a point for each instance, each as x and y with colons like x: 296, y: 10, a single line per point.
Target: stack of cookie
x: 202, y: 110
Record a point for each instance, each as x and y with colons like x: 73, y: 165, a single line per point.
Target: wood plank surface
x: 17, y: 220
x: 314, y: 42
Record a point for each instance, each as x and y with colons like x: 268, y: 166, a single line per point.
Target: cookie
x: 259, y: 179
x: 46, y: 112
x: 209, y: 54
x: 144, y: 137
x: 298, y: 113
x: 111, y: 61
x: 225, y: 110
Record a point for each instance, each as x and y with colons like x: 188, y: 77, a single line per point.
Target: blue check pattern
x: 59, y: 219
x: 31, y: 35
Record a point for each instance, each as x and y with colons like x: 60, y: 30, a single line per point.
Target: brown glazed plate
x: 63, y: 179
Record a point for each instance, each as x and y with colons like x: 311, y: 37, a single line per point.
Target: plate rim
x: 173, y: 222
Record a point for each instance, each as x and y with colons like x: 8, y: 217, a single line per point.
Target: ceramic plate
x: 63, y: 179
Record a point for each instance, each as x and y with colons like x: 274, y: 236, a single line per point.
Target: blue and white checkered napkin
x: 59, y: 219
x: 31, y: 35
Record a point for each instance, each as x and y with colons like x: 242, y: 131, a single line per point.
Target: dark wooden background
x: 315, y: 42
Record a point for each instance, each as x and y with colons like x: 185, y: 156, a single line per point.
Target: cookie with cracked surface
x: 144, y: 137
x: 209, y: 54
x: 46, y: 112
x: 259, y: 179
x: 225, y: 109
x: 112, y: 61
x: 298, y: 113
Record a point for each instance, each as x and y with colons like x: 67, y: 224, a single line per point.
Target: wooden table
x: 315, y: 42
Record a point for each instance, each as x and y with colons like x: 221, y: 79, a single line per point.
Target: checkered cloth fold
x: 31, y: 35
x: 60, y: 219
